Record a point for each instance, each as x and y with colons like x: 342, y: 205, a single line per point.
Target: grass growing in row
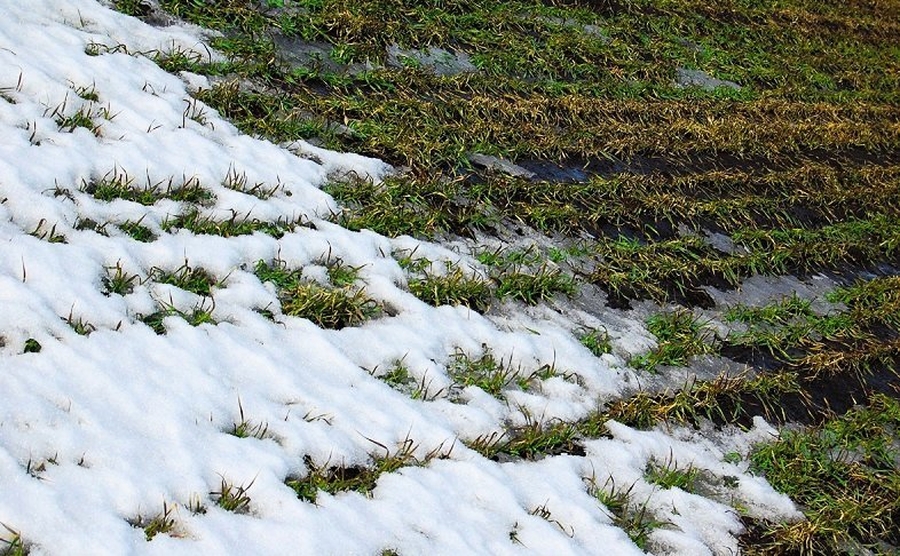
x: 333, y: 479
x: 117, y: 184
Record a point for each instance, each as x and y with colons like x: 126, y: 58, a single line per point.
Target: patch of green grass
x: 32, y: 346
x: 681, y: 335
x: 238, y: 182
x: 137, y: 231
x: 485, y: 372
x: 333, y: 479
x: 340, y: 273
x: 136, y: 8
x: 534, y: 286
x: 79, y: 325
x: 246, y: 428
x: 534, y: 439
x: 118, y: 281
x: 83, y: 117
x: 455, y: 287
x: 48, y: 235
x: 631, y: 516
x: 14, y: 545
x: 194, y: 280
x: 162, y: 523
x: 596, y: 341
x: 327, y: 306
x: 669, y: 475
x: 844, y: 476
x: 194, y: 221
x: 233, y: 498
x: 119, y: 185
x: 200, y: 314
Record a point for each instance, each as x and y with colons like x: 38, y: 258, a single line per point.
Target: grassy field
x: 646, y: 149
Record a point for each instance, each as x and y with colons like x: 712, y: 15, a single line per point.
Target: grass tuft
x: 233, y: 498
x: 328, y: 307
x: 362, y: 479
x: 681, y: 336
x: 162, y: 523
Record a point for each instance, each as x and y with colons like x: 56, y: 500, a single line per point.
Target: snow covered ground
x: 101, y: 431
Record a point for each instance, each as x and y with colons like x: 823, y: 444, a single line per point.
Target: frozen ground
x: 101, y: 431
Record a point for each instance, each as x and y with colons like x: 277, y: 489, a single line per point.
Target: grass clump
x: 681, y: 336
x: 362, y: 479
x: 632, y: 517
x: 13, y: 544
x: 118, y: 281
x: 485, y: 372
x: 162, y: 523
x: 454, y: 287
x: 199, y: 314
x: 233, y: 498
x: 194, y: 280
x: 137, y: 231
x: 843, y: 474
x: 326, y: 306
x: 194, y: 221
x: 245, y: 428
x: 119, y: 185
x: 669, y: 475
x: 532, y: 440
x: 596, y: 341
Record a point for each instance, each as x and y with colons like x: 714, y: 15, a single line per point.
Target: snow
x: 113, y: 425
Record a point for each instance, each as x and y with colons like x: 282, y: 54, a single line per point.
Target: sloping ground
x: 503, y: 339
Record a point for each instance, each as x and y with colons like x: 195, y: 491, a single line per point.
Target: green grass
x: 843, y: 474
x: 327, y: 306
x: 161, y: 523
x: 333, y: 479
x: 13, y: 545
x: 119, y: 281
x: 596, y: 341
x: 199, y: 314
x: 194, y: 221
x: 119, y: 185
x: 233, y: 498
x: 681, y: 335
x: 194, y: 280
x: 628, y: 514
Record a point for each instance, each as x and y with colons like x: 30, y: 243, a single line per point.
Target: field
x: 647, y: 248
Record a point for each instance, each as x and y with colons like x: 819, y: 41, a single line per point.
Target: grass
x: 333, y: 479
x: 327, y: 306
x: 484, y: 372
x: 844, y: 476
x: 632, y: 517
x: 669, y: 475
x: 194, y: 280
x: 233, y: 498
x: 238, y: 225
x: 161, y: 523
x: 13, y: 544
x: 199, y: 314
x: 117, y: 184
x: 245, y: 428
x: 681, y: 335
x: 596, y: 341
x: 119, y: 281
